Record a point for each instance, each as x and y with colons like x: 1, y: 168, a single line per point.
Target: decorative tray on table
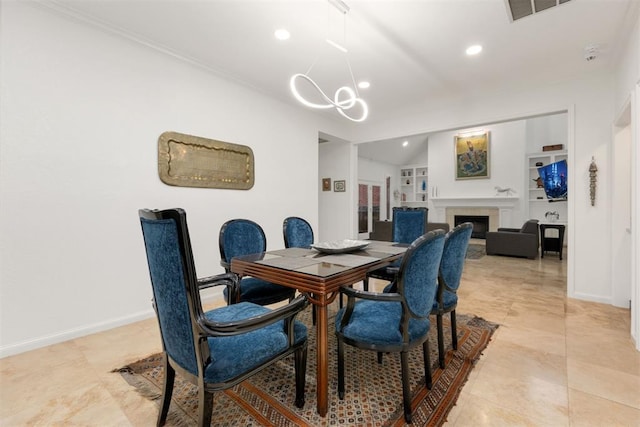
x: 340, y: 246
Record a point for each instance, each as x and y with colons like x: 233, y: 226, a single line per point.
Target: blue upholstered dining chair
x: 240, y: 237
x: 398, y: 321
x: 297, y: 233
x: 408, y: 225
x: 453, y: 257
x: 220, y: 348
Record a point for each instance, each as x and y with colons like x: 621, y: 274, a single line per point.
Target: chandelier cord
x: 313, y: 64
x: 346, y: 57
x: 353, y: 79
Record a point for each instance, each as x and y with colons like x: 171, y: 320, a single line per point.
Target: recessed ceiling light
x: 282, y: 34
x: 364, y: 85
x: 474, y: 50
x: 405, y: 143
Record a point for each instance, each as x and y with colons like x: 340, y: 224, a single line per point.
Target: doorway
x: 621, y: 250
x: 369, y: 199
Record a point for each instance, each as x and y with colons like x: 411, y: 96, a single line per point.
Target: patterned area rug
x: 373, y: 394
x: 475, y: 251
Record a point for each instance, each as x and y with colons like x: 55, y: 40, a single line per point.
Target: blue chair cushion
x: 234, y: 355
x: 373, y: 322
x: 261, y: 292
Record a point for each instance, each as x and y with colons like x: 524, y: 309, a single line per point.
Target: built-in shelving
x: 414, y: 185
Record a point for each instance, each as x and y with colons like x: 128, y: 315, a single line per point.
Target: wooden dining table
x: 319, y: 275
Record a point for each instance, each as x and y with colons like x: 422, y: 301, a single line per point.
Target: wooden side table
x: 553, y: 244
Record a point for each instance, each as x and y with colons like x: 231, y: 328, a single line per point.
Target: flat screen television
x: 554, y: 180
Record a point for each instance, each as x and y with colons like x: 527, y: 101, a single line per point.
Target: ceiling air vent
x: 521, y: 8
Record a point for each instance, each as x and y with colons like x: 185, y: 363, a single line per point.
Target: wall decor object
x: 339, y: 186
x: 552, y: 216
x: 593, y: 170
x: 553, y: 147
x: 193, y: 161
x: 507, y: 191
x: 472, y: 155
x: 326, y: 184
x: 539, y: 183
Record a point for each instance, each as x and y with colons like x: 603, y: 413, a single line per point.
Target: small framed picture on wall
x: 326, y: 184
x: 339, y: 186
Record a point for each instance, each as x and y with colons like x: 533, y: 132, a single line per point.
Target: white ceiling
x: 410, y: 51
x: 392, y: 151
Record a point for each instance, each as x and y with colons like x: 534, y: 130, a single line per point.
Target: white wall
x: 335, y: 219
x: 546, y: 130
x: 373, y: 171
x: 506, y: 157
x: 420, y: 159
x: 621, y: 218
x: 81, y: 112
x: 627, y: 91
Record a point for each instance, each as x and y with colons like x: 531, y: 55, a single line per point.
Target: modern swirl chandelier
x: 346, y: 99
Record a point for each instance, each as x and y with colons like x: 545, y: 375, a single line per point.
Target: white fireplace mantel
x: 504, y: 205
x: 484, y: 202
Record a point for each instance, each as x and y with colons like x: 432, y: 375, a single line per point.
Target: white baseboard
x: 33, y: 344
x: 59, y: 337
x: 592, y: 298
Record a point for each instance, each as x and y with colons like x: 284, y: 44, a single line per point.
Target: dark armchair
x: 397, y: 321
x: 240, y: 237
x: 519, y: 242
x: 220, y: 348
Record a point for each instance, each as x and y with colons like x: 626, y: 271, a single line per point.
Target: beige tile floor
x: 553, y: 362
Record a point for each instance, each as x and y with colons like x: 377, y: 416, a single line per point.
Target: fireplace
x: 499, y: 209
x: 480, y: 224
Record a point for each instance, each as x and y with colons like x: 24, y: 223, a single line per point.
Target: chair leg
x: 365, y: 284
x: 313, y: 314
x: 340, y: 369
x: 301, y: 371
x: 454, y: 332
x: 205, y: 407
x: 380, y: 357
x: 167, y: 390
x: 427, y: 364
x: 406, y: 392
x: 440, y: 341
